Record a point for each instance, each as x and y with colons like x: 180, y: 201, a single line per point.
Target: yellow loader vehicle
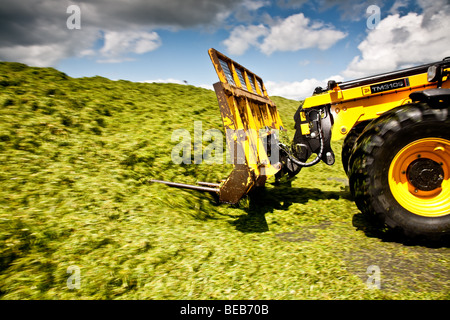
x: 396, y: 149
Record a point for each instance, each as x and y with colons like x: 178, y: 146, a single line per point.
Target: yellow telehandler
x: 396, y: 149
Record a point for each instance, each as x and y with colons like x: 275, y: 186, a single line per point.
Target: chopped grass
x: 76, y: 157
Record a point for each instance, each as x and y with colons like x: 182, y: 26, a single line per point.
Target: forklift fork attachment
x: 251, y: 122
x: 203, y: 186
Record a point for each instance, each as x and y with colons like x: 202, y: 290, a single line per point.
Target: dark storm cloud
x: 29, y: 22
x: 177, y: 13
x: 36, y: 29
x: 34, y: 22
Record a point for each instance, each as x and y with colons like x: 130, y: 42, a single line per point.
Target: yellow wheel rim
x: 419, y: 177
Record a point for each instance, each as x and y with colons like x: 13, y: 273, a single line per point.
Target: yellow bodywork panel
x: 352, y: 106
x: 249, y: 118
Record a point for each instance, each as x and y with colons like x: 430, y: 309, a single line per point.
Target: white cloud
x: 118, y: 44
x: 169, y: 80
x: 297, y: 90
x: 298, y: 32
x: 294, y: 33
x: 400, y: 41
x: 206, y: 86
x: 34, y: 55
x: 242, y: 37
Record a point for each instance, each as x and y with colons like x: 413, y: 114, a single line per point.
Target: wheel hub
x: 425, y: 174
x: 419, y: 177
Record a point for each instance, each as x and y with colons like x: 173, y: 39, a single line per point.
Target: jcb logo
x: 366, y: 90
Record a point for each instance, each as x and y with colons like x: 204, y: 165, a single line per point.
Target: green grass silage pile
x: 76, y: 157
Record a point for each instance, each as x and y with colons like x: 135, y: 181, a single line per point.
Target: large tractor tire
x: 399, y: 170
x: 349, y: 143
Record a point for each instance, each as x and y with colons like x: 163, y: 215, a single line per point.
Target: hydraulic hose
x: 306, y: 164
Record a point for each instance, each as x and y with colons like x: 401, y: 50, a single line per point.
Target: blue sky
x: 294, y: 45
